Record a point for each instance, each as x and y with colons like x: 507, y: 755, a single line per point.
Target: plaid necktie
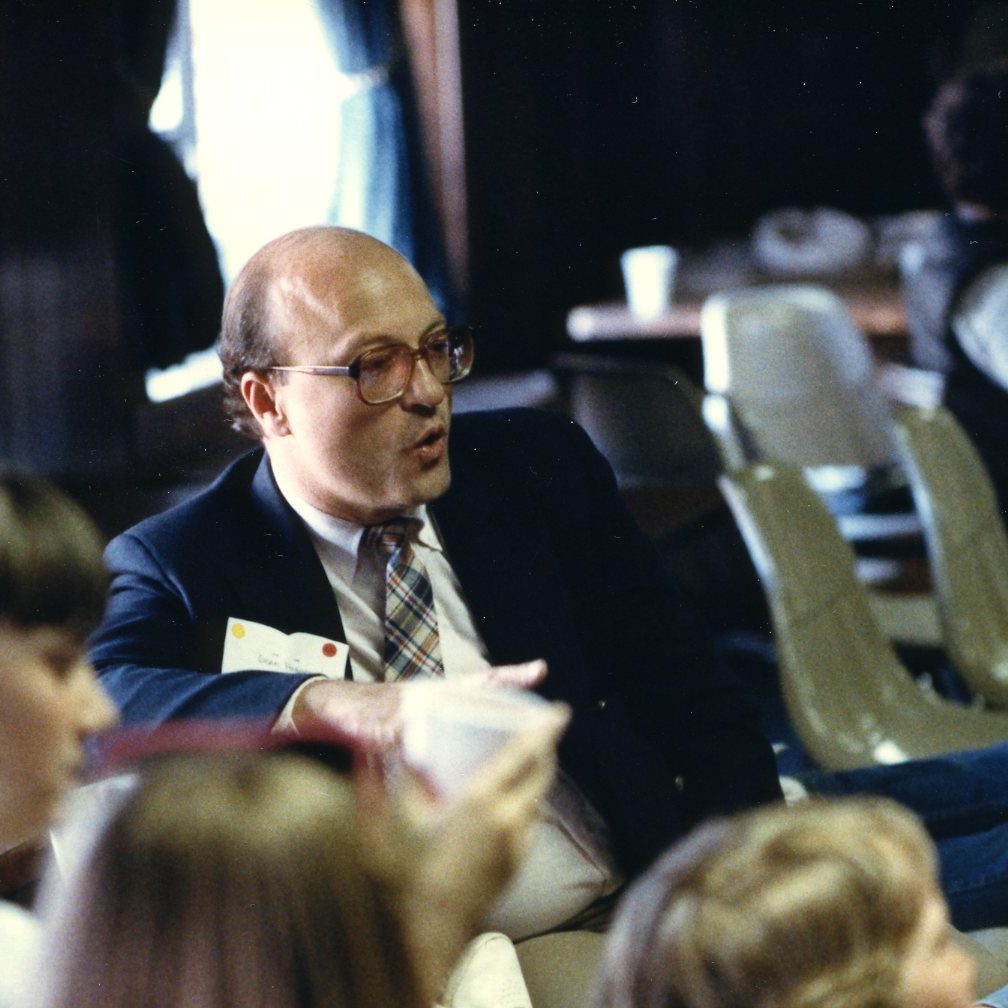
x: 411, y: 631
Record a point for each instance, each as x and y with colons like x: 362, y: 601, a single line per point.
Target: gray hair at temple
x: 246, y: 342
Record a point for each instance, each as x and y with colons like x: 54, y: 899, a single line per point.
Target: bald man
x: 395, y: 543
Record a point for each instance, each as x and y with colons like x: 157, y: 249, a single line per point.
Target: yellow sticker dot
x: 238, y: 630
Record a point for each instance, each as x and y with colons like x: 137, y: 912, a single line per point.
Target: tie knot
x: 390, y: 535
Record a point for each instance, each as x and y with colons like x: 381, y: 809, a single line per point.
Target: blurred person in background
x: 956, y: 277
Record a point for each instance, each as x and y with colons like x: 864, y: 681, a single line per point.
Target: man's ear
x: 261, y: 399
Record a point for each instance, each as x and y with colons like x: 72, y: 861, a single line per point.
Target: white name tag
x: 255, y: 646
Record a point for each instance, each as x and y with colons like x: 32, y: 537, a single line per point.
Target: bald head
x: 323, y: 298
x: 301, y: 284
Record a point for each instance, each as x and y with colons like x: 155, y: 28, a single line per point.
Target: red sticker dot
x: 329, y: 650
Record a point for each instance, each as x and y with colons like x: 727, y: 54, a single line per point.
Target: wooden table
x: 877, y: 309
x: 872, y: 295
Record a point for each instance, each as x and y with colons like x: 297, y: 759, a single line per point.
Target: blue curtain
x: 381, y: 180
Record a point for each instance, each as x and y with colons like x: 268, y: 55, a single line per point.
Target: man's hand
x: 524, y: 676
x: 370, y: 714
x: 366, y: 713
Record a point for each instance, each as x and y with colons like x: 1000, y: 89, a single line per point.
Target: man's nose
x: 423, y: 389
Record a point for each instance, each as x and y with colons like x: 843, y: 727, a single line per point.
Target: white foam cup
x: 649, y: 278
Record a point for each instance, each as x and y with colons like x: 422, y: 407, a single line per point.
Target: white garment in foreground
x: 487, y: 975
x: 19, y: 938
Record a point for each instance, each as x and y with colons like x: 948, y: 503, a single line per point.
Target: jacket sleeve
x: 158, y: 660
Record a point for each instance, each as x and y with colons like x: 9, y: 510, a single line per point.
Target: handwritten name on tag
x: 255, y: 646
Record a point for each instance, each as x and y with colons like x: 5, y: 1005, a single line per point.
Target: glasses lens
x: 449, y: 354
x: 384, y: 373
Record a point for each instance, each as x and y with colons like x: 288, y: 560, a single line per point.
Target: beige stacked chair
x: 850, y: 699
x: 966, y: 543
x: 790, y: 376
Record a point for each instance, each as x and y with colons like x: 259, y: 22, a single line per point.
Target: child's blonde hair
x: 808, y: 906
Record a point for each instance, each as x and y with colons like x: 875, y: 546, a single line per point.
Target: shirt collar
x: 341, y: 538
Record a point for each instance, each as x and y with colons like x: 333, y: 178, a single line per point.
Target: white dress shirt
x: 569, y: 865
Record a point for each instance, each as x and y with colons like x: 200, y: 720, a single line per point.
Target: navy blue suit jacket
x: 552, y: 566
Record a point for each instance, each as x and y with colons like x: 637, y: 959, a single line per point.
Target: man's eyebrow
x: 362, y: 340
x: 438, y: 323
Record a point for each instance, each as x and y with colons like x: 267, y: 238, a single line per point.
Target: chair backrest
x: 645, y: 418
x: 850, y: 699
x: 967, y: 545
x: 799, y: 375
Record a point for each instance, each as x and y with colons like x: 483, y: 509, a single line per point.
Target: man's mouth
x: 431, y: 446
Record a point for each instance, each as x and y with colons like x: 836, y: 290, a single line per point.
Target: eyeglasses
x: 384, y: 373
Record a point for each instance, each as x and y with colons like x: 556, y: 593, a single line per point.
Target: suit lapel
x: 286, y: 565
x: 505, y: 566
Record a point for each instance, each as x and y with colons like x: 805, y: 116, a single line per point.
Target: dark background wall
x: 106, y: 267
x: 592, y: 126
